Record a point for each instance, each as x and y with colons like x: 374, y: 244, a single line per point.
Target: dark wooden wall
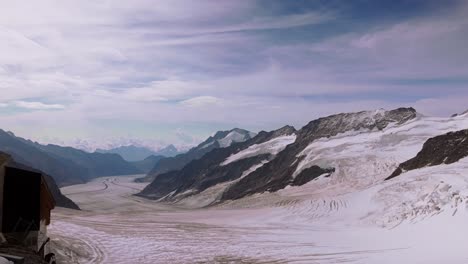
x: 21, y: 200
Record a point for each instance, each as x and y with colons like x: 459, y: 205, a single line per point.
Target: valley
x: 295, y: 225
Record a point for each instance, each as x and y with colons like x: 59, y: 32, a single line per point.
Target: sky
x: 108, y: 73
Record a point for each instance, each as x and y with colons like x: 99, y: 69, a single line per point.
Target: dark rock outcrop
x: 311, y: 173
x: 445, y: 149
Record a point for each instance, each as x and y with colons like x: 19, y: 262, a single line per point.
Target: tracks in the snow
x: 106, y: 186
x: 313, y: 208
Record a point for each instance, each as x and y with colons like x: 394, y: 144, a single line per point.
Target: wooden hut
x: 25, y: 205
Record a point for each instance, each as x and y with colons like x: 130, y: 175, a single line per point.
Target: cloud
x: 38, y: 105
x: 201, y: 101
x: 142, y: 68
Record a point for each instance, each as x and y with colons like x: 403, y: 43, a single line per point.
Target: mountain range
x: 136, y: 153
x: 63, y: 165
x: 349, y: 150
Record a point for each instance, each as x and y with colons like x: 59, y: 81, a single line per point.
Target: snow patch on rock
x: 232, y: 137
x: 272, y: 147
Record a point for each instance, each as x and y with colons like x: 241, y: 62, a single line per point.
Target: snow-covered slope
x: 272, y: 147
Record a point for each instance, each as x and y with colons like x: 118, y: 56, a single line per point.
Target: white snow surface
x: 272, y: 147
x: 352, y: 216
x: 230, y: 138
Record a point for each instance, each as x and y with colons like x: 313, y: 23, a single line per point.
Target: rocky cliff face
x: 278, y: 173
x: 445, y: 149
x: 213, y: 167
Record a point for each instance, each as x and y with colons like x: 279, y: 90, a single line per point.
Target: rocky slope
x: 220, y: 140
x: 445, y: 149
x: 220, y: 165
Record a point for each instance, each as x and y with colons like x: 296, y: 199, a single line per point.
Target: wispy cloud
x: 38, y: 105
x: 201, y: 101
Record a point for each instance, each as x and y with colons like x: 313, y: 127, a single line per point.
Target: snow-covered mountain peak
x: 234, y: 136
x: 226, y: 138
